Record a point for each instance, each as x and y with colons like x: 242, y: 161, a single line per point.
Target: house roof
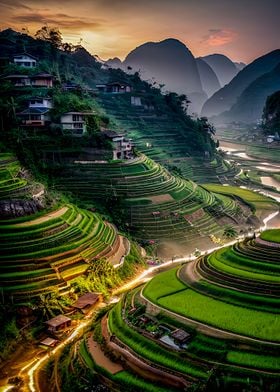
x: 42, y: 75
x: 71, y: 84
x: 85, y: 300
x: 180, y: 335
x: 38, y: 97
x: 34, y: 111
x: 111, y: 134
x: 15, y: 76
x: 58, y: 320
x: 81, y: 113
x: 118, y: 84
x: 50, y: 342
x: 25, y: 54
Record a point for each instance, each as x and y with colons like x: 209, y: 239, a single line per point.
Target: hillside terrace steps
x: 165, y: 132
x: 254, y: 281
x: 46, y: 250
x: 141, y: 185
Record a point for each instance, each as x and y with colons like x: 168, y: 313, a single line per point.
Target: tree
x: 230, y: 232
x: 51, y: 35
x: 206, y: 126
x: 68, y: 47
x: 11, y: 107
x: 48, y: 305
x: 271, y: 114
x: 178, y: 103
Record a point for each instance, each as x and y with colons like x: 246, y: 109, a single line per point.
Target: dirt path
x: 188, y: 273
x: 45, y: 218
x: 117, y: 257
x: 100, y: 359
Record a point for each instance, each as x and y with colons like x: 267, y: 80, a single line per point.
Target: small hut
x: 58, y: 323
x: 180, y: 336
x: 86, y: 302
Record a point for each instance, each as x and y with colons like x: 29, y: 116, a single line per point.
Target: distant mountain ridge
x: 224, y: 68
x: 240, y: 65
x: 249, y: 106
x: 172, y: 64
x: 114, y: 63
x: 209, y: 79
x: 227, y: 96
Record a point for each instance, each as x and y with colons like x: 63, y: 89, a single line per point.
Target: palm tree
x: 11, y: 107
x: 49, y: 305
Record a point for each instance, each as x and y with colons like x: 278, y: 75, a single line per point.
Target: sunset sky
x: 240, y: 29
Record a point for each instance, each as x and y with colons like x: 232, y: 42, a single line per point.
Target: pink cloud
x: 219, y: 37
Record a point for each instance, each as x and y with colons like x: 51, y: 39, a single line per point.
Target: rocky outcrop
x: 17, y: 208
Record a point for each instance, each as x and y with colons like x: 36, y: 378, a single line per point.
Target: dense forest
x: 271, y: 114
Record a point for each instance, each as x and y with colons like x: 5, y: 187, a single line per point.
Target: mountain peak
x: 224, y: 68
x: 171, y: 63
x: 171, y: 41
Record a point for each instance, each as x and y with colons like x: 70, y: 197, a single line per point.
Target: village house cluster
x: 59, y: 325
x: 37, y: 115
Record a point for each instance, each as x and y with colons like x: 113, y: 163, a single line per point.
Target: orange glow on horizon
x: 114, y: 28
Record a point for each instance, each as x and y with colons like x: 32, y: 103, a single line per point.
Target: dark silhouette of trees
x: 51, y: 35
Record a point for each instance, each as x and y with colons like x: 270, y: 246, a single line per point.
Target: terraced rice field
x: 148, y: 349
x: 11, y: 184
x: 156, y: 205
x: 234, y: 289
x: 233, y: 313
x: 47, y: 249
x: 264, y: 153
x: 125, y: 379
x: 253, y: 199
x: 204, y: 309
x: 164, y: 138
x: 271, y: 235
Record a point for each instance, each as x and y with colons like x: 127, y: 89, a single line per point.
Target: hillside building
x: 74, y: 123
x: 49, y: 342
x: 180, y: 336
x: 122, y: 146
x: 40, y: 102
x: 42, y: 80
x: 86, y: 302
x: 136, y: 101
x: 273, y: 138
x: 17, y: 80
x: 114, y: 88
x: 35, y: 117
x: 37, y: 114
x: 58, y: 323
x: 25, y: 60
x: 71, y: 86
